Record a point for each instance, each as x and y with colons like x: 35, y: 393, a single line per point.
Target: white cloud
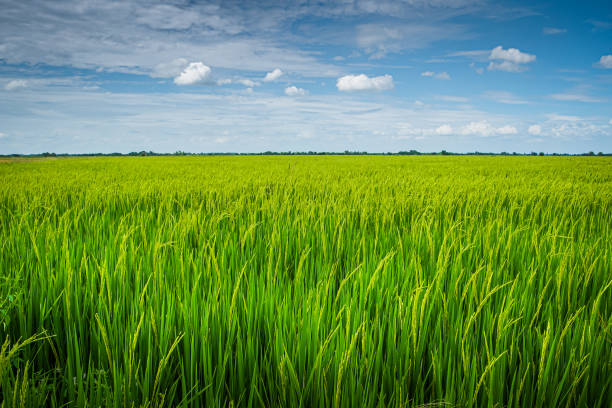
x: 418, y: 103
x: 605, y: 61
x: 2, y: 135
x: 145, y: 35
x: 452, y: 98
x: 575, y: 97
x: 534, y: 130
x: 131, y: 121
x: 610, y: 122
x: 167, y: 17
x: 170, y: 69
x: 504, y: 97
x: 364, y: 83
x: 439, y: 75
x: 225, y: 81
x: 512, y: 55
x: 563, y: 118
x: 578, y: 130
x: 379, y: 39
x: 485, y: 129
x: 553, y: 30
x: 247, y: 82
x: 512, y: 59
x: 507, y: 130
x: 273, y: 76
x: 16, y: 84
x: 195, y: 73
x: 295, y: 91
x: 479, y: 54
x: 444, y: 130
x: 482, y: 128
x: 506, y: 66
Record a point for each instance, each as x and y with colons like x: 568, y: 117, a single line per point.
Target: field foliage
x: 306, y: 281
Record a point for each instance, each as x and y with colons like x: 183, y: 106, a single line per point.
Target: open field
x: 306, y: 281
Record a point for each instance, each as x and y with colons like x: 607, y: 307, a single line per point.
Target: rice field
x: 303, y: 281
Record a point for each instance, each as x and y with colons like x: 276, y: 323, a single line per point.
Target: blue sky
x: 239, y: 76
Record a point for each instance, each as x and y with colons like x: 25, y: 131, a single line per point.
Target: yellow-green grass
x: 306, y: 281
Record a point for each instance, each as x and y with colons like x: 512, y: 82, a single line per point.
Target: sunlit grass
x: 306, y: 281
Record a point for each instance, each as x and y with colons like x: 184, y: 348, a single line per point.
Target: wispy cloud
x: 553, y: 31
x: 436, y: 75
x: 453, y: 98
x: 573, y: 97
x: 16, y: 84
x: 504, y: 97
x: 563, y: 118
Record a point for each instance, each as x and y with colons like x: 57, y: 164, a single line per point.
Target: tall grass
x: 306, y: 281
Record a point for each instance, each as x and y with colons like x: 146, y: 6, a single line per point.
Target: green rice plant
x: 306, y: 281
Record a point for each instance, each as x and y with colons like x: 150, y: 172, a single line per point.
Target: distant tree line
x: 308, y: 153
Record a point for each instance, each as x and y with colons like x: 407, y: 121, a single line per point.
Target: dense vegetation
x: 306, y: 281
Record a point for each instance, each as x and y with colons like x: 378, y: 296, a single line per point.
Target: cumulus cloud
x: 510, y: 60
x: 444, y: 130
x: 439, y: 75
x: 16, y: 84
x: 294, y: 91
x: 273, y: 76
x: 195, y: 73
x: 2, y: 135
x: 534, y: 130
x: 364, y: 83
x: 485, y: 129
x: 511, y: 54
x: 610, y: 122
x: 605, y: 61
